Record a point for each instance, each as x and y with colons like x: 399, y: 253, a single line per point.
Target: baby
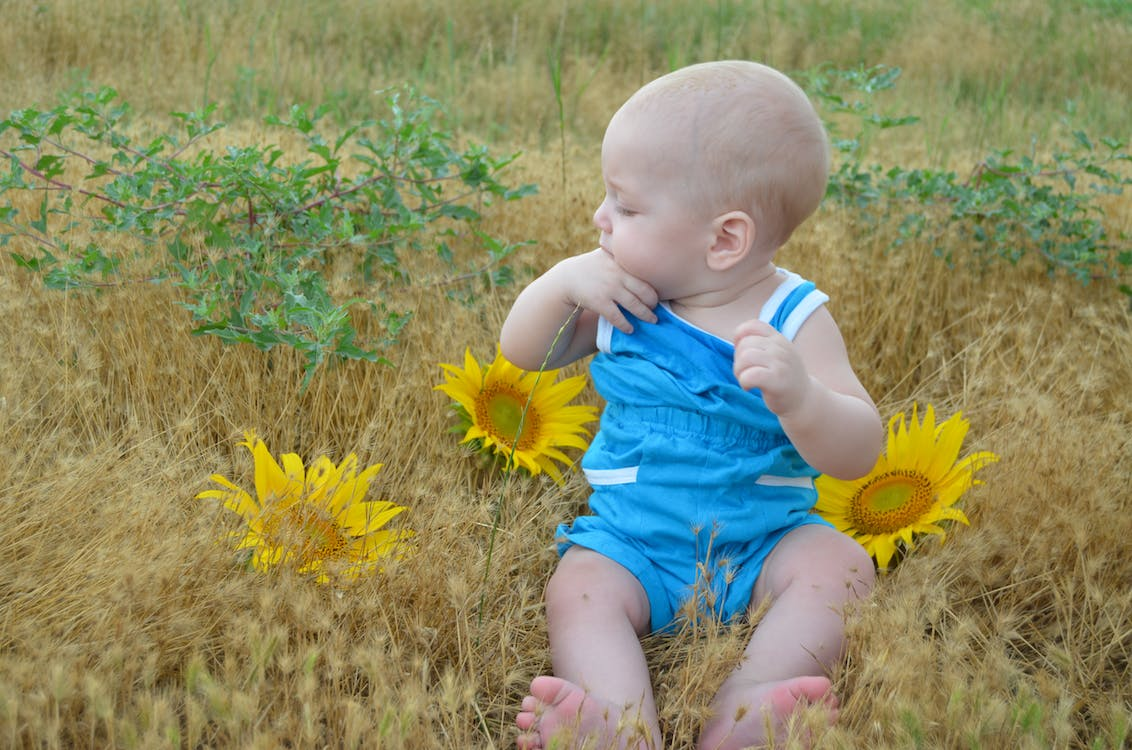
x: 728, y: 389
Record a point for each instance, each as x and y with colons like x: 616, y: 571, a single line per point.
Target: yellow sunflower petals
x: 954, y: 514
x: 365, y: 518
x: 308, y: 519
x: 322, y: 475
x: 223, y: 481
x: 882, y: 550
x: 270, y: 481
x: 521, y: 417
x: 242, y: 503
x: 949, y: 440
x: 384, y: 543
x: 912, y: 488
x: 352, y: 489
x: 293, y: 468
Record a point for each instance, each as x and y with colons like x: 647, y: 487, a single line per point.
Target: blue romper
x: 694, y: 481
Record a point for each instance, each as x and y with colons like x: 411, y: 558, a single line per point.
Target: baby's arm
x: 810, y: 385
x: 591, y: 285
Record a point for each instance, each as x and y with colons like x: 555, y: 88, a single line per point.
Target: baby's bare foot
x: 560, y: 710
x: 553, y: 704
x: 759, y: 716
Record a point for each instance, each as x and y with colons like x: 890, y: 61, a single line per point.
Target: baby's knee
x: 840, y: 561
x: 581, y: 574
x: 821, y: 559
x: 586, y: 580
x: 859, y: 573
x: 566, y: 583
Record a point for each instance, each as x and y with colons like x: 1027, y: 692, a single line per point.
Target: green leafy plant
x: 248, y: 236
x: 1008, y: 206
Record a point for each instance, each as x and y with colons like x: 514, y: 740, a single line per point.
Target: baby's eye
x: 626, y: 211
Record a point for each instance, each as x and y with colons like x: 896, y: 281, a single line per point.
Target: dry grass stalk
x: 123, y: 623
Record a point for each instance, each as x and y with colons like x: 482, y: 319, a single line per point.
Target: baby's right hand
x: 595, y: 281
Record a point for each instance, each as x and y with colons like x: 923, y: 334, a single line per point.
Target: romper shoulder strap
x: 791, y: 304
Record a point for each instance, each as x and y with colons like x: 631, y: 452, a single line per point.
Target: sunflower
x: 911, y: 489
x: 521, y: 417
x: 313, y: 520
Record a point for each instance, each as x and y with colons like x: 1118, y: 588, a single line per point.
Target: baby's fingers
x: 646, y: 298
x: 754, y: 327
x: 617, y: 319
x: 636, y: 297
x: 641, y: 308
x: 751, y: 378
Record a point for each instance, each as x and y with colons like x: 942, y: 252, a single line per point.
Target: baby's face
x: 648, y: 222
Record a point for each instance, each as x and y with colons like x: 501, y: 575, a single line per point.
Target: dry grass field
x: 125, y: 621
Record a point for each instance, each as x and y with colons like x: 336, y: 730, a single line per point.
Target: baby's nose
x: 600, y: 218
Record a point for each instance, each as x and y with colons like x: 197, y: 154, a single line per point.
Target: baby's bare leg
x: 808, y: 578
x: 596, y: 612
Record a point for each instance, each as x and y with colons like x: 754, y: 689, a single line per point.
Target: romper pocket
x: 608, y: 477
x: 770, y: 480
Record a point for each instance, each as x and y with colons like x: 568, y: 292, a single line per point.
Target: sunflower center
x: 891, y: 501
x: 308, y: 532
x: 499, y: 411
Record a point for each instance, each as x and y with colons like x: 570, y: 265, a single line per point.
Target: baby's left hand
x: 767, y: 360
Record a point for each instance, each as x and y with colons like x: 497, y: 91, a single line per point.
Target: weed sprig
x: 247, y: 236
x: 1009, y: 206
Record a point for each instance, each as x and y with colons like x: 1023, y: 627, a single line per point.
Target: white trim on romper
x: 792, y: 282
x: 628, y: 475
x: 604, y: 337
x: 601, y: 477
x: 770, y: 480
x: 801, y: 313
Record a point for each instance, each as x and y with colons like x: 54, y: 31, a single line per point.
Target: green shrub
x: 245, y: 235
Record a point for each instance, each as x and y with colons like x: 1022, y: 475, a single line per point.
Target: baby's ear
x: 734, y: 238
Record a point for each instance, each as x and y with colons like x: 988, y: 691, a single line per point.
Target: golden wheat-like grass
x: 124, y: 621
x: 127, y: 624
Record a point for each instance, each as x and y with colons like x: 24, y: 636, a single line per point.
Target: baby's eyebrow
x: 617, y: 192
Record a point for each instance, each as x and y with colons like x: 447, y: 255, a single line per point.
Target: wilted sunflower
x: 492, y: 402
x: 314, y: 520
x: 913, y: 486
